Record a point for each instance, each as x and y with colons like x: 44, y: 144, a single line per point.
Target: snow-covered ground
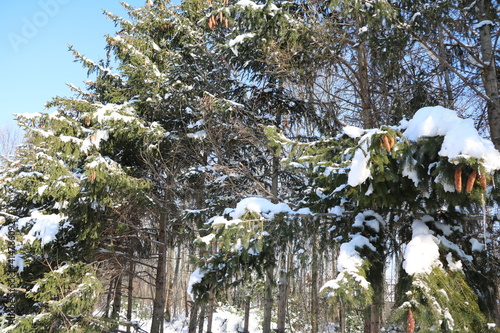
x: 225, y: 320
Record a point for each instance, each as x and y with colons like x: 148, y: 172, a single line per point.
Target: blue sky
x: 35, y: 63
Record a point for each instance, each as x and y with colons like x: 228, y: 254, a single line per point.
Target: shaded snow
x: 194, y: 278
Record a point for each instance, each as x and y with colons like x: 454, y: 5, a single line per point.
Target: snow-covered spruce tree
x: 72, y: 177
x: 431, y: 173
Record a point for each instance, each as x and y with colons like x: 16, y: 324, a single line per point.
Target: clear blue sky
x: 35, y: 63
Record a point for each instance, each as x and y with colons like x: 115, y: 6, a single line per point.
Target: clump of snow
x: 200, y: 135
x: 370, y: 219
x: 114, y: 112
x: 421, y: 254
x: 233, y: 43
x: 337, y: 210
x: 353, y: 132
x: 44, y: 227
x: 461, y: 139
x: 195, y: 278
x: 477, y: 246
x: 260, y: 206
x: 453, y: 265
x: 349, y: 262
x: 94, y: 140
x: 360, y: 169
x: 483, y: 23
x: 410, y: 172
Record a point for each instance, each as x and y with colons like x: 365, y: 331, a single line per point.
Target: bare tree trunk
x: 268, y: 300
x: 170, y: 283
x: 314, y: 281
x: 282, y: 301
x: 130, y: 289
x: 117, y: 299
x: 176, y: 279
x: 210, y: 315
x: 193, y: 317
x: 109, y: 297
x: 449, y: 90
x: 247, y: 314
x: 201, y: 321
x: 490, y: 79
x: 160, y: 281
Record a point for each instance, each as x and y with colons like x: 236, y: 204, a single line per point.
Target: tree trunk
x: 364, y: 80
x: 201, y: 321
x: 282, y: 301
x: 193, y: 317
x: 176, y: 279
x: 247, y: 314
x: 130, y: 290
x: 170, y: 283
x: 210, y: 315
x: 450, y: 103
x: 490, y: 79
x: 314, y: 281
x: 268, y: 300
x: 160, y: 281
x: 117, y: 299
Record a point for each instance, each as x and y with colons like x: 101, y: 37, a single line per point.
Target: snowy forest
x: 264, y: 166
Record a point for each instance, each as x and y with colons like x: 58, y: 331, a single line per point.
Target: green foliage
x: 65, y: 299
x: 442, y: 300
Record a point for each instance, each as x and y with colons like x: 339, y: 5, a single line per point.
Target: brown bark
x: 314, y: 281
x: 268, y: 300
x: 489, y: 72
x: 130, y: 289
x: 160, y: 281
x: 282, y: 301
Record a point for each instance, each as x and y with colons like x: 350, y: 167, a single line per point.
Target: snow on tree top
x: 461, y: 139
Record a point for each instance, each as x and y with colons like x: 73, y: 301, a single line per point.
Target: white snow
x: 200, y: 135
x: 410, y: 172
x: 261, y: 206
x: 374, y: 223
x: 421, y: 254
x: 353, y: 131
x: 461, y: 139
x: 195, y: 278
x: 233, y: 43
x: 349, y: 261
x: 453, y: 265
x: 483, y: 23
x: 44, y: 227
x: 360, y: 170
x: 477, y: 246
x: 110, y: 112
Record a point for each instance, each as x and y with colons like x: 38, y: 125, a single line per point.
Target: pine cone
x: 458, y: 179
x: 470, y: 181
x: 410, y: 320
x: 483, y: 181
x: 392, y: 141
x: 385, y: 141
